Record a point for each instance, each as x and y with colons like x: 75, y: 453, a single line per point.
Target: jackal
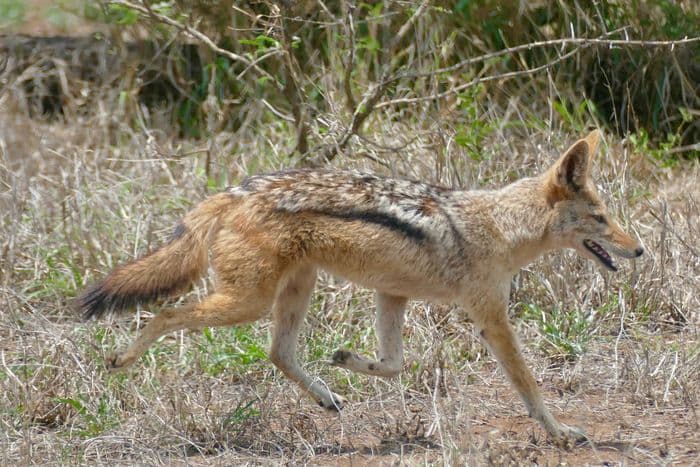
x: 266, y: 239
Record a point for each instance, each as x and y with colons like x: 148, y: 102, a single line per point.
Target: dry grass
x: 615, y: 354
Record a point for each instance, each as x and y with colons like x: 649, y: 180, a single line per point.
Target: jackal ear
x: 571, y: 170
x: 592, y: 139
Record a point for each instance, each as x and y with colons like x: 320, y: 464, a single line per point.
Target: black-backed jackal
x: 267, y: 238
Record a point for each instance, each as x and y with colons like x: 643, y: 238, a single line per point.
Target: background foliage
x: 311, y: 61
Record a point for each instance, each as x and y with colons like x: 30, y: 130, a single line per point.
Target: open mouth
x: 601, y: 254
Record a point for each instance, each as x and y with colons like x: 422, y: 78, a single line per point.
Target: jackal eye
x: 600, y: 219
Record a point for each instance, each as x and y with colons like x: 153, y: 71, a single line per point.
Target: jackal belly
x: 397, y: 280
x: 390, y: 262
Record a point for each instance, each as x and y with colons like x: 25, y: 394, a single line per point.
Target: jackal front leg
x: 388, y: 324
x: 499, y: 337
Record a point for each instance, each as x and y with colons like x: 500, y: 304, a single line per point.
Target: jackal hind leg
x: 388, y: 324
x: 219, y: 309
x: 502, y: 342
x: 288, y: 312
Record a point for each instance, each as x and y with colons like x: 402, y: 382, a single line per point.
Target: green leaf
x: 76, y: 404
x: 122, y: 15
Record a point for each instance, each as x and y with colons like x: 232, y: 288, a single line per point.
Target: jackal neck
x: 521, y: 212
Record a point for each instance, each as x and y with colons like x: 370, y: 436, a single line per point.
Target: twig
x: 388, y: 148
x: 475, y: 81
x: 269, y: 54
x: 277, y: 112
x: 688, y: 148
x: 582, y: 41
x: 196, y: 35
x: 372, y: 96
x: 292, y: 89
x: 661, y: 219
x: 350, y: 32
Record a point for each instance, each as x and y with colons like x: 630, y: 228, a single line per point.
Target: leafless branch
x: 276, y: 112
x: 372, y: 96
x: 269, y: 54
x: 688, y: 148
x: 666, y: 225
x: 475, y: 81
x: 581, y: 41
x: 201, y: 37
x: 350, y: 33
x: 292, y: 79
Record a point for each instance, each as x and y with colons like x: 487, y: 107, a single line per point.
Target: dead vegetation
x: 79, y: 192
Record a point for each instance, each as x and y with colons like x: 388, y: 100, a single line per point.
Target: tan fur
x: 267, y: 238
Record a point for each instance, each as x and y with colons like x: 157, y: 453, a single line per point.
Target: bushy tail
x: 168, y: 270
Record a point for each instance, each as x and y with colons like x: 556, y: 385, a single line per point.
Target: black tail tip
x: 94, y: 302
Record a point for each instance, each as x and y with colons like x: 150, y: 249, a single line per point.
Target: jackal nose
x: 639, y: 251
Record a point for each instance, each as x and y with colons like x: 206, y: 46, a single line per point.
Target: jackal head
x: 579, y: 218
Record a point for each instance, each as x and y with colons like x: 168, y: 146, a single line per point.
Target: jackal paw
x: 115, y: 363
x: 568, y: 436
x: 334, y: 403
